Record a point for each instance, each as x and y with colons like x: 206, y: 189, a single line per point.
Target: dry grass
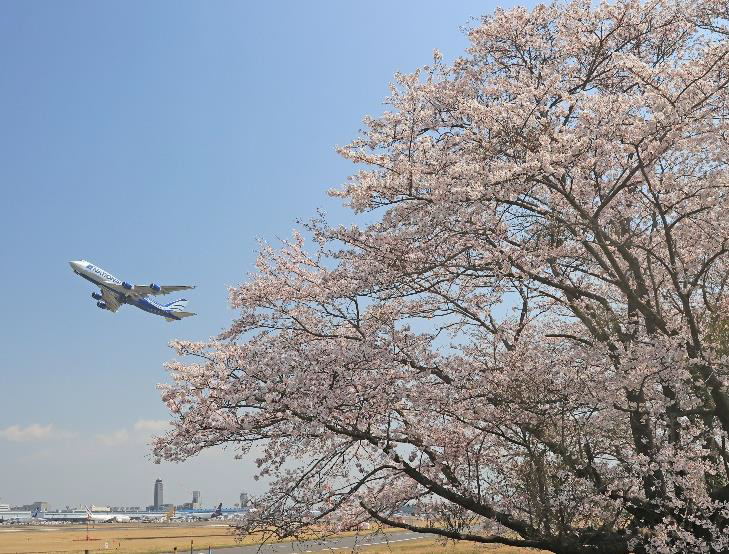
x: 144, y: 539
x: 112, y: 538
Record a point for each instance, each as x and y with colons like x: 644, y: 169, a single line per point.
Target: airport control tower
x: 158, y: 501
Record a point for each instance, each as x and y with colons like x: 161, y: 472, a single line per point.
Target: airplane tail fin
x: 177, y: 305
x: 218, y: 511
x: 180, y: 315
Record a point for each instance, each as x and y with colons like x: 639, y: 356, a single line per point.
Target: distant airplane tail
x: 177, y: 305
x: 218, y: 511
x: 35, y: 513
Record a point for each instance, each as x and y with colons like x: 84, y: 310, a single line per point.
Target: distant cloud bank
x: 141, y: 431
x: 152, y: 425
x: 33, y: 432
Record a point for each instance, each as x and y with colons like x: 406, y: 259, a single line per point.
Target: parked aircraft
x: 107, y: 518
x: 210, y: 515
x: 115, y: 293
x: 36, y: 515
x: 169, y: 515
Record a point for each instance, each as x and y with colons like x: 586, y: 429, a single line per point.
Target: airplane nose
x: 74, y: 265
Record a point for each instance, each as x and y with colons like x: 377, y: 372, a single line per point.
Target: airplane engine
x: 155, y: 288
x: 96, y: 296
x: 101, y: 305
x: 127, y: 286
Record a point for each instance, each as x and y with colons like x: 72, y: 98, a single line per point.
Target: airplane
x: 169, y: 515
x: 106, y: 518
x: 36, y: 516
x: 210, y: 515
x: 114, y: 293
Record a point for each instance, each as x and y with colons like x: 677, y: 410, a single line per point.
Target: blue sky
x: 159, y: 140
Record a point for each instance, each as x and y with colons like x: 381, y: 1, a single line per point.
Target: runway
x: 360, y: 542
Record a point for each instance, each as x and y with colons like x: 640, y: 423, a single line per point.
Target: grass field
x: 126, y: 539
x: 113, y: 538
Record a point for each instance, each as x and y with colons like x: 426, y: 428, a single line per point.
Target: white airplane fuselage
x: 108, y: 518
x: 120, y: 292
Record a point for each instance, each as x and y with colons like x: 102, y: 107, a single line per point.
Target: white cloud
x: 33, y: 432
x: 141, y: 431
x: 152, y: 425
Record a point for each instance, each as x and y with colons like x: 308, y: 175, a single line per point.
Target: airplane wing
x: 109, y: 298
x: 155, y: 290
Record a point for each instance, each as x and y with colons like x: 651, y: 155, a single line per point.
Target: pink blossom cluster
x: 528, y: 342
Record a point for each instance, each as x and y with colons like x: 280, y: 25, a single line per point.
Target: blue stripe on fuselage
x: 151, y: 307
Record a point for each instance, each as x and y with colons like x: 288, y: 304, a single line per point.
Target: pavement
x: 341, y: 544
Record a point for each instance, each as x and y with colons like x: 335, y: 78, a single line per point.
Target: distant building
x: 196, y: 497
x: 243, y: 499
x: 158, y: 497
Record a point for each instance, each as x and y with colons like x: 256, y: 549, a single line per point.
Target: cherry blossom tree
x: 526, y: 335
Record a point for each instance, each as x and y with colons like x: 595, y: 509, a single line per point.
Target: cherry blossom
x: 526, y: 339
